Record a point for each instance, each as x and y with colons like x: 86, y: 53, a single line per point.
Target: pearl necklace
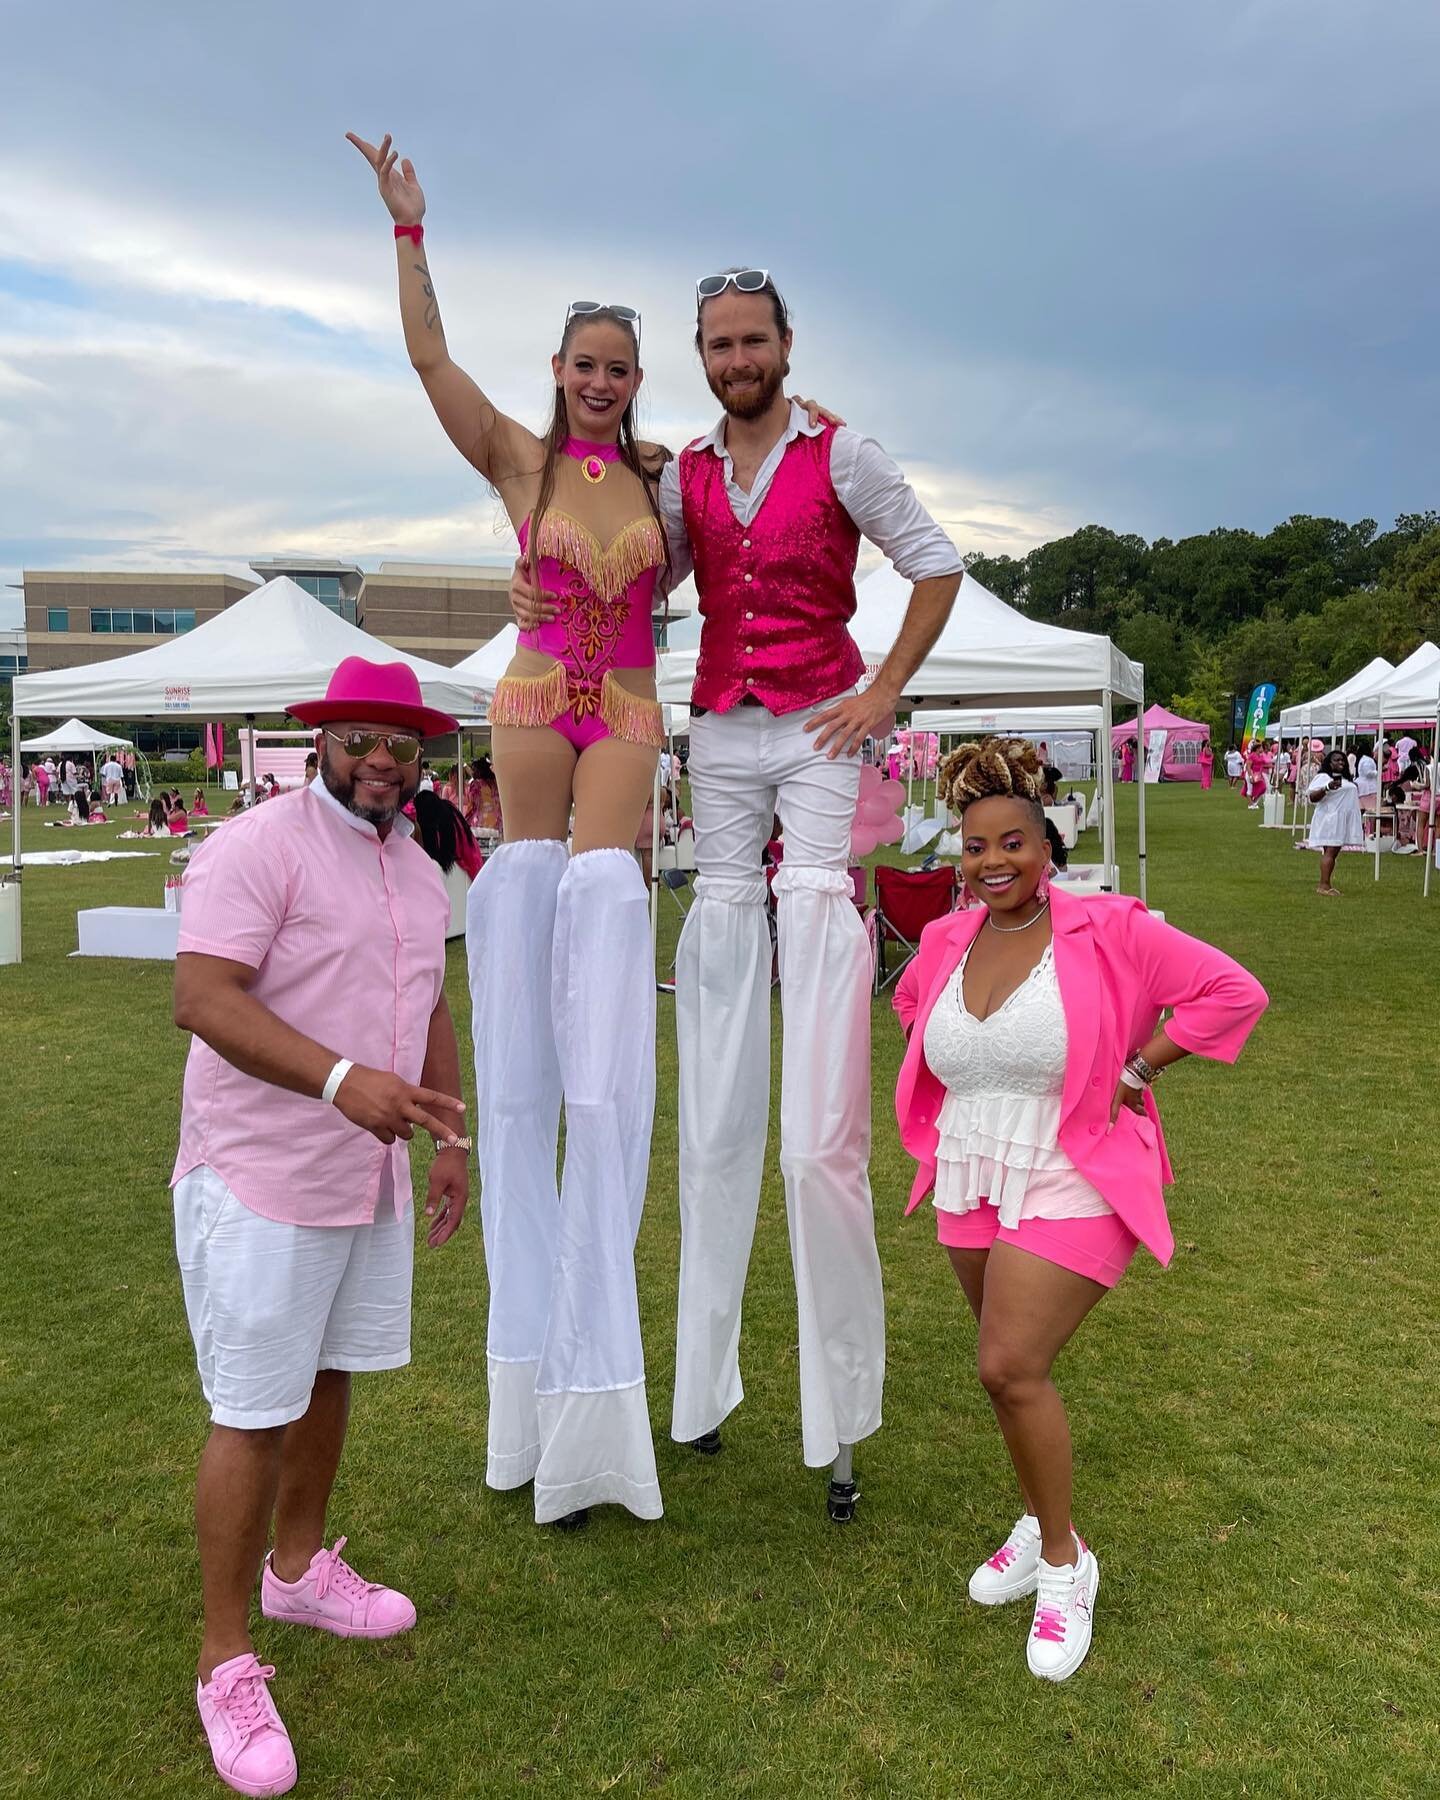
x: 1009, y: 930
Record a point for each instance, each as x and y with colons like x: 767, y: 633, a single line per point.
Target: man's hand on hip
x: 388, y: 1106
x: 841, y: 729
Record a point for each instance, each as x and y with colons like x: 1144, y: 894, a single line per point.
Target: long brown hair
x: 558, y: 431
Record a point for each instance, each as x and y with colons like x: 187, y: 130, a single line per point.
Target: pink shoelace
x: 335, y: 1572
x: 241, y: 1696
x: 1003, y: 1558
x: 1049, y: 1625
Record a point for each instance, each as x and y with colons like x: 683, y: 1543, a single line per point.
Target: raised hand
x: 398, y: 187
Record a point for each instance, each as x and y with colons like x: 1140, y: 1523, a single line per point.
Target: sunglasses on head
x: 360, y: 744
x: 748, y: 281
x: 580, y: 309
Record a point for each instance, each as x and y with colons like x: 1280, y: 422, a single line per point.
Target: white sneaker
x: 1064, y: 1616
x: 1010, y: 1573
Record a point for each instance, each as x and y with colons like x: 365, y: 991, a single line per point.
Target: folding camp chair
x: 906, y: 900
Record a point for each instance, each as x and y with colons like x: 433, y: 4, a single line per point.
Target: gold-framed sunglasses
x: 403, y: 746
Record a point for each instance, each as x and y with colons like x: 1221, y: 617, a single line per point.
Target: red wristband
x: 413, y: 232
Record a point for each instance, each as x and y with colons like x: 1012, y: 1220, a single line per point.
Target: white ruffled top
x: 999, y: 1125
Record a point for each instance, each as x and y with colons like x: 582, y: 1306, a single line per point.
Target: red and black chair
x: 906, y: 900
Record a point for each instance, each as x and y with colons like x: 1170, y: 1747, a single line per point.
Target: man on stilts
x: 772, y: 510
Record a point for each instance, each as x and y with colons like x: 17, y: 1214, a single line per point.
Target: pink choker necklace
x: 594, y: 459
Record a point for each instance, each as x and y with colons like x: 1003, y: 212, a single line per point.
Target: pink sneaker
x: 250, y: 1745
x: 332, y: 1597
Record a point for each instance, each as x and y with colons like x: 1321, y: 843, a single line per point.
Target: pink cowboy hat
x: 379, y: 693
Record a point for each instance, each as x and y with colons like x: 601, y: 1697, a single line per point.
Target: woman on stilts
x: 562, y: 982
x: 1034, y: 1035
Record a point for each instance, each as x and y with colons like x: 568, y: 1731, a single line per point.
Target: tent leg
x: 1379, y: 791
x: 1107, y: 790
x: 1434, y: 775
x: 1140, y: 801
x: 10, y: 905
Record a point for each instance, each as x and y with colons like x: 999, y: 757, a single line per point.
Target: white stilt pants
x: 745, y: 765
x: 563, y: 999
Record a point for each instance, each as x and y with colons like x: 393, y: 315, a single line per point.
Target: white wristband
x: 333, y: 1080
x: 1131, y: 1079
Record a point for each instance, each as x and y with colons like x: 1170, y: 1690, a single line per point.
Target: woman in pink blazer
x: 1033, y: 1026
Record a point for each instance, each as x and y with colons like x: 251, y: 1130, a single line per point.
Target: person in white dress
x: 1335, y: 824
x: 1234, y: 766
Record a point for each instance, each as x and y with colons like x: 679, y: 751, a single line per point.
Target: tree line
x: 1304, y: 605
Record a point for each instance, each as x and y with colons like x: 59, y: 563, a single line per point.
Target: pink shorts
x: 1100, y: 1249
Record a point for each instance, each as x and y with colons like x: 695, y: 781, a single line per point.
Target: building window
x: 185, y: 618
x: 325, y: 589
x: 100, y: 618
x: 14, y: 665
x: 57, y: 618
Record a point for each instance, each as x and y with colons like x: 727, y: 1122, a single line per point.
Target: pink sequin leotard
x: 599, y: 553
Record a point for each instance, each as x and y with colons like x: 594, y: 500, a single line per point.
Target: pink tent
x: 1183, y: 738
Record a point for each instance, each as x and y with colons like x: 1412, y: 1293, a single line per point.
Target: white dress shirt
x: 868, y: 484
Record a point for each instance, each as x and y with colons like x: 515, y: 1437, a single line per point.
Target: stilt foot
x: 841, y: 1499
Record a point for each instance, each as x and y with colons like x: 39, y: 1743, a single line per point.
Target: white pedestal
x: 457, y: 886
x: 9, y: 922
x: 1272, y: 809
x: 143, y: 931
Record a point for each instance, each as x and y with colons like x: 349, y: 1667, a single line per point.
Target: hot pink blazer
x: 1117, y: 966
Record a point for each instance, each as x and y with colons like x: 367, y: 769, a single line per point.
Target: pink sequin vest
x: 776, y: 595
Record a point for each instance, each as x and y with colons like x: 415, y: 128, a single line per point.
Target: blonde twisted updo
x: 1006, y: 767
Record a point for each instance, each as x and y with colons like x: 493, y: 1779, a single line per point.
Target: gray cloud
x: 1160, y: 267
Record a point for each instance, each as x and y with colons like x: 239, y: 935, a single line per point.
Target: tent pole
x: 1107, y: 803
x: 1430, y: 838
x: 1140, y: 820
x: 1379, y: 788
x: 12, y: 951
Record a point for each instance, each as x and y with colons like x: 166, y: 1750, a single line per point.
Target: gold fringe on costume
x: 531, y: 699
x: 607, y: 570
x: 631, y: 717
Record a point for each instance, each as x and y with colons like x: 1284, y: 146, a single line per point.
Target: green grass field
x: 1255, y: 1434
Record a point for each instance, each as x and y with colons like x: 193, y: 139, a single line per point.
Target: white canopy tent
x: 277, y: 645
x: 1065, y: 728
x: 1326, y: 712
x: 1409, y: 695
x: 75, y: 734
x: 992, y: 657
x: 484, y: 667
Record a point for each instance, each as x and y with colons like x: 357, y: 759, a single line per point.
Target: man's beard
x: 374, y: 812
x: 758, y: 400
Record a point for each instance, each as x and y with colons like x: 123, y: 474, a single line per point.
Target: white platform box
x: 144, y: 931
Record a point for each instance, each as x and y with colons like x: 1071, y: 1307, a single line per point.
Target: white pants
x: 746, y: 765
x: 270, y: 1304
x: 563, y: 992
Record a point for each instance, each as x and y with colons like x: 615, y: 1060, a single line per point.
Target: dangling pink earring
x: 1042, y: 887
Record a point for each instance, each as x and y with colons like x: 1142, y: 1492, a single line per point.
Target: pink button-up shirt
x: 346, y: 933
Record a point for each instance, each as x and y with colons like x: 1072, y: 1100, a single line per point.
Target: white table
x: 143, y: 931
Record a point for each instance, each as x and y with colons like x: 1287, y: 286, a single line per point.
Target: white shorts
x: 271, y: 1304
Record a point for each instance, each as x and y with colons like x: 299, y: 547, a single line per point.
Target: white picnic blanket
x: 64, y: 858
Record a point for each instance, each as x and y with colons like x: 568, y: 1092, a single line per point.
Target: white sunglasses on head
x: 580, y: 309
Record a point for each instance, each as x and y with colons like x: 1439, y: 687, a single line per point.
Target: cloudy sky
x: 1159, y: 266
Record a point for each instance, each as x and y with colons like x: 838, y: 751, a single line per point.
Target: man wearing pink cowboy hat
x: 311, y: 972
